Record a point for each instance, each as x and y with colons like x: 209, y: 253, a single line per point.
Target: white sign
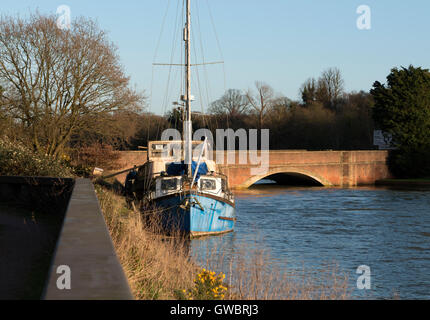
x: 382, y: 142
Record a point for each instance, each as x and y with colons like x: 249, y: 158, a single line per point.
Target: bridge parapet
x: 330, y: 168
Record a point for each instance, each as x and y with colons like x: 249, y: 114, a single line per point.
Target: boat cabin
x: 169, y: 170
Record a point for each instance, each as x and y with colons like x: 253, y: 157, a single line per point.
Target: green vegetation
x: 402, y: 110
x: 17, y: 159
x: 207, y: 286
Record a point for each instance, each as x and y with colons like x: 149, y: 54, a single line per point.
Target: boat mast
x: 187, y: 123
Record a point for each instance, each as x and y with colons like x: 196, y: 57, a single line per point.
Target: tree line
x: 327, y: 117
x: 64, y: 92
x: 65, y: 89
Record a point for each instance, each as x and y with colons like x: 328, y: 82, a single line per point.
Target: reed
x: 254, y: 274
x: 156, y: 266
x: 161, y: 267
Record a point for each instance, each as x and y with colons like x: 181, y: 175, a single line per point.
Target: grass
x: 156, y: 267
x: 253, y: 275
x: 161, y: 268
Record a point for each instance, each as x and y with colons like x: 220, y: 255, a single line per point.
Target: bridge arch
x: 287, y: 171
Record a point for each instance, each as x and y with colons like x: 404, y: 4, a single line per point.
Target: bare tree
x: 233, y: 103
x: 330, y: 87
x: 261, y: 100
x: 56, y: 80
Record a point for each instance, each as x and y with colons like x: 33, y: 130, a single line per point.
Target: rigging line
x: 214, y: 29
x: 199, y: 86
x: 177, y: 78
x: 151, y: 101
x: 162, y: 30
x: 183, y: 65
x: 175, y: 32
x: 207, y: 84
x: 199, y: 34
x: 175, y: 35
x: 197, y: 71
x: 182, y: 86
x: 195, y: 35
x: 182, y: 70
x: 218, y: 42
x: 210, y: 119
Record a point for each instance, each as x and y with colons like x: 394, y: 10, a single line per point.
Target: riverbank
x: 158, y: 267
x: 403, y: 182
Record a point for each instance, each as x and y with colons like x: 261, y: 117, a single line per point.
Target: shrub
x: 407, y: 162
x: 18, y: 160
x: 207, y: 286
x: 402, y: 109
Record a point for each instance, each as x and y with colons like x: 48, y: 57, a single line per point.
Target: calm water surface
x: 385, y: 229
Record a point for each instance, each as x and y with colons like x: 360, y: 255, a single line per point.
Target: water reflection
x: 387, y: 229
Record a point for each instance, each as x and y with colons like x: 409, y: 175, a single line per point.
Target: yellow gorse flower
x: 208, y: 285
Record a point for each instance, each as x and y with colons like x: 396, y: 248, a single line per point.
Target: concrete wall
x: 86, y: 248
x: 47, y: 223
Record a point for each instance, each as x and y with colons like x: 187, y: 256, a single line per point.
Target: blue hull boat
x: 181, y: 178
x: 196, y: 214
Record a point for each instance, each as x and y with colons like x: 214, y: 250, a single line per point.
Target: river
x: 386, y: 229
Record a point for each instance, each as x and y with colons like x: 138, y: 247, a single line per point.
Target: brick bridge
x: 326, y: 168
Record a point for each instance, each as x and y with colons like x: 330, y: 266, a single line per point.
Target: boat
x: 180, y: 179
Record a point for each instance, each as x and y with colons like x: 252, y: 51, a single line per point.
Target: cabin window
x: 169, y: 184
x: 223, y: 185
x: 158, y: 150
x: 158, y: 147
x: 207, y: 184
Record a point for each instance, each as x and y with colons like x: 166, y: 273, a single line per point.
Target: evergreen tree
x: 402, y: 109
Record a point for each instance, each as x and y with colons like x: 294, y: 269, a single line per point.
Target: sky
x: 279, y: 42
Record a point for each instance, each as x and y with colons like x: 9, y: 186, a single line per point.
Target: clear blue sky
x: 280, y: 42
